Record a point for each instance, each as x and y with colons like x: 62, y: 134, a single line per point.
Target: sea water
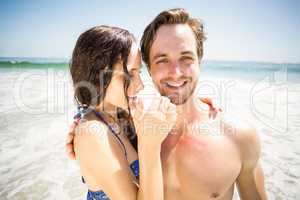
x: 37, y: 106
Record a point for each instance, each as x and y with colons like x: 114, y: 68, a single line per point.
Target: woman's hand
x: 153, y: 124
x: 213, y: 110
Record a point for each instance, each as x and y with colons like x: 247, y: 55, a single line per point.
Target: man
x: 200, y: 160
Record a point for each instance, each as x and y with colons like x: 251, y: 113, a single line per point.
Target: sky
x: 244, y: 30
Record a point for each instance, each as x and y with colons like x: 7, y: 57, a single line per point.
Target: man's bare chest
x: 205, y: 166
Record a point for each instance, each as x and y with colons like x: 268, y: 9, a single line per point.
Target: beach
x: 37, y: 107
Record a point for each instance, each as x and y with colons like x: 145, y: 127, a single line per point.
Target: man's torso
x: 199, y: 166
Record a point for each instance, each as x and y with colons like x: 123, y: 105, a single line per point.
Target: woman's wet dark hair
x: 95, y: 53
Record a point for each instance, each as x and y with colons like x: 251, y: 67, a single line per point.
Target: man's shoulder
x: 244, y: 135
x: 240, y: 128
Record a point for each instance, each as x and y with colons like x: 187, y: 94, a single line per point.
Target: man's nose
x: 175, y: 69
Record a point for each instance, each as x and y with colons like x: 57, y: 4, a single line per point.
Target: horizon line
x: 219, y: 60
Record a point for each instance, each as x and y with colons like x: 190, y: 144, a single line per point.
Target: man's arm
x: 250, y: 182
x: 70, y: 140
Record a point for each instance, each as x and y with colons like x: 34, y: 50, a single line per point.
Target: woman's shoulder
x: 91, y: 127
x: 90, y: 134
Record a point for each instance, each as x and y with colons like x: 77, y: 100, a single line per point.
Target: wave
x: 32, y: 64
x: 209, y: 65
x: 246, y: 66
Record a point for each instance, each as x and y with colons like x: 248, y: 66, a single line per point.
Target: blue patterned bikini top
x: 134, y: 166
x: 100, y: 195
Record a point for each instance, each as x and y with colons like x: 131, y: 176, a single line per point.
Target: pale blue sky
x: 236, y: 30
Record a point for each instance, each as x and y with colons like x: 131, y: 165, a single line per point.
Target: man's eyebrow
x: 188, y: 53
x: 159, y: 55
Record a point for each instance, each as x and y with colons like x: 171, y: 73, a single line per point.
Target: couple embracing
x: 127, y: 151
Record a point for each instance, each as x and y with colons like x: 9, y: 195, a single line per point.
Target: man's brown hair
x: 172, y: 16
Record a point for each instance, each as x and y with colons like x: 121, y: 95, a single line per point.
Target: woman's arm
x: 102, y: 161
x: 151, y: 179
x: 152, y: 127
x: 104, y: 166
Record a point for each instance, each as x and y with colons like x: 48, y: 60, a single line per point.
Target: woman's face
x: 115, y: 93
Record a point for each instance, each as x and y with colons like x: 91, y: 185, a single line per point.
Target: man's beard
x: 181, y: 97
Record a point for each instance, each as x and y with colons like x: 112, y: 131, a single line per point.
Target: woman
x: 105, y: 72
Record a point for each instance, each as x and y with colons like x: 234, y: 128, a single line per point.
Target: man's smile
x: 175, y: 85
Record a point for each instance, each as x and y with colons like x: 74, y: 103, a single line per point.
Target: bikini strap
x: 113, y: 130
x: 83, y: 110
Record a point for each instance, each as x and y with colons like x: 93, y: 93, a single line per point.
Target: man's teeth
x: 172, y: 84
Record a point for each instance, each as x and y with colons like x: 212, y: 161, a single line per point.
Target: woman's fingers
x: 137, y: 109
x: 164, y: 104
x: 213, y: 110
x: 155, y: 104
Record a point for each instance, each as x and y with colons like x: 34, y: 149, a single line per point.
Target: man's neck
x: 189, y: 111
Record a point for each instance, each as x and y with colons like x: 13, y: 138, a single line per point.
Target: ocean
x: 37, y: 106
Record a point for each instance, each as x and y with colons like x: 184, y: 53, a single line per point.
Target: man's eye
x: 187, y: 58
x: 162, y: 61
